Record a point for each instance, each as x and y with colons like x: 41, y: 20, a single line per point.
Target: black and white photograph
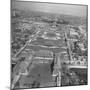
x: 49, y: 44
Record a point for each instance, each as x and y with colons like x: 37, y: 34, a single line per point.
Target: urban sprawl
x: 47, y: 50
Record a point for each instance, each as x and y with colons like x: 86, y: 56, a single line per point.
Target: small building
x: 73, y: 32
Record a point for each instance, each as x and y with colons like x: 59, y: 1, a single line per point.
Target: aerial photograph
x: 49, y: 45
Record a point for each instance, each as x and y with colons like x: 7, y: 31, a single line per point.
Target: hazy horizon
x: 75, y: 10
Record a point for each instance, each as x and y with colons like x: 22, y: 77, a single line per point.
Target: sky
x: 76, y: 10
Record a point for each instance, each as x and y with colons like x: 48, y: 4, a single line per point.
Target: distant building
x: 73, y: 32
x: 15, y: 12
